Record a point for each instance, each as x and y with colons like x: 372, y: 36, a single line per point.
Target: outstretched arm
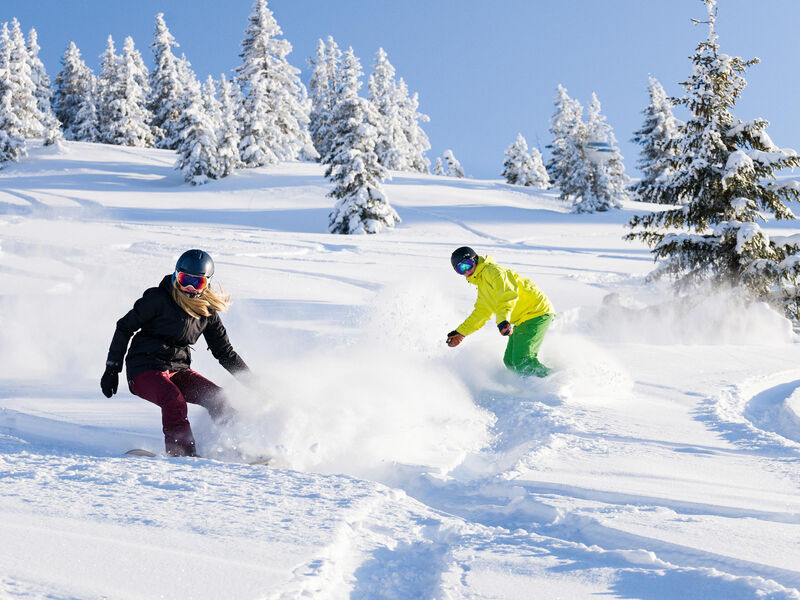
x: 477, y: 318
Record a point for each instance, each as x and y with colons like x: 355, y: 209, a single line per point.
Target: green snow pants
x: 523, y: 347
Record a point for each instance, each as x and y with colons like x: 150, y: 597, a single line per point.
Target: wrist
x: 112, y: 365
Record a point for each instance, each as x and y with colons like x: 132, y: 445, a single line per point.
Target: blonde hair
x: 202, y: 306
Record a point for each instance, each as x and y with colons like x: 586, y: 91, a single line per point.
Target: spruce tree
x: 353, y: 165
x: 607, y: 180
x: 658, y: 138
x: 537, y: 173
x: 73, y: 84
x: 725, y: 170
x: 392, y: 147
x: 197, y: 152
x: 19, y: 78
x: 228, y: 128
x: 166, y: 87
x: 272, y: 86
x: 12, y: 134
x: 438, y: 169
x: 523, y: 167
x: 516, y: 163
x: 410, y: 118
x: 86, y: 123
x: 108, y: 92
x: 452, y: 167
x: 568, y: 167
x: 129, y: 118
x: 51, y: 127
x: 324, y: 89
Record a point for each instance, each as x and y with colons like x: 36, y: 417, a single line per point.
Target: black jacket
x: 165, y: 332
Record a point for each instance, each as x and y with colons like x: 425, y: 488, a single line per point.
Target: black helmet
x: 195, y: 262
x: 461, y: 254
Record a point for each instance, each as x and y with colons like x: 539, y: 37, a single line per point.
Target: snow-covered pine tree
x: 515, y: 167
x: 166, y: 87
x: 438, y: 169
x: 538, y: 174
x: 108, y: 91
x: 259, y: 130
x: 51, y: 127
x: 410, y: 117
x: 129, y: 118
x: 210, y: 103
x: 85, y: 125
x: 271, y: 85
x: 608, y: 183
x: 353, y: 165
x: 12, y: 137
x: 392, y: 146
x: 73, y: 83
x: 20, y: 80
x: 568, y: 168
x: 524, y: 167
x: 197, y: 151
x: 228, y: 128
x: 725, y: 169
x: 324, y: 88
x: 658, y: 139
x: 452, y: 167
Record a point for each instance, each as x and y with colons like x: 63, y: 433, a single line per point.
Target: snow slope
x: 660, y: 460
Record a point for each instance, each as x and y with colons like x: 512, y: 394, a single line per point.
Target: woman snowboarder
x: 166, y: 320
x: 522, y: 310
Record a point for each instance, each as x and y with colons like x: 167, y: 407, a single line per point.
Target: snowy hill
x: 660, y: 460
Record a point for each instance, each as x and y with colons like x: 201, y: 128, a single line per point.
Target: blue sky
x: 484, y: 70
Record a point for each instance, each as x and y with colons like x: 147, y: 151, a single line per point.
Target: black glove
x: 110, y: 380
x: 454, y: 338
x: 505, y: 328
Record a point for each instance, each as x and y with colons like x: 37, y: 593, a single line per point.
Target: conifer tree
x: 272, y: 86
x: 568, y: 167
x: 166, y: 100
x: 392, y: 147
x: 523, y: 167
x: 228, y: 129
x: 438, y: 169
x: 108, y: 92
x: 324, y: 88
x: 74, y: 86
x: 85, y: 125
x: 51, y: 127
x: 658, y: 139
x: 607, y: 180
x: 12, y: 135
x: 128, y: 117
x: 353, y: 165
x: 410, y: 117
x: 197, y: 151
x: 452, y: 167
x: 725, y: 169
x: 19, y: 78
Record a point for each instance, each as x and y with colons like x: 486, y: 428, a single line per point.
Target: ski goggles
x: 464, y: 266
x: 191, y: 283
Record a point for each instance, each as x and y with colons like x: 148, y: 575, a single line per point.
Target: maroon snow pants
x: 171, y: 390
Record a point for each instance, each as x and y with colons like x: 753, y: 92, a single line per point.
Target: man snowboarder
x: 522, y: 310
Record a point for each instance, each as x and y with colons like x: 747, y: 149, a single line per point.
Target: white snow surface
x: 660, y: 460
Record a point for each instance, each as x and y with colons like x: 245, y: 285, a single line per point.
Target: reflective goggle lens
x: 198, y: 282
x: 465, y: 265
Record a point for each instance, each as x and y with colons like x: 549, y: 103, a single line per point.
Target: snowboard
x: 264, y: 461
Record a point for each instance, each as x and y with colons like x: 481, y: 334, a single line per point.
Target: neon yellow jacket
x: 505, y: 294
